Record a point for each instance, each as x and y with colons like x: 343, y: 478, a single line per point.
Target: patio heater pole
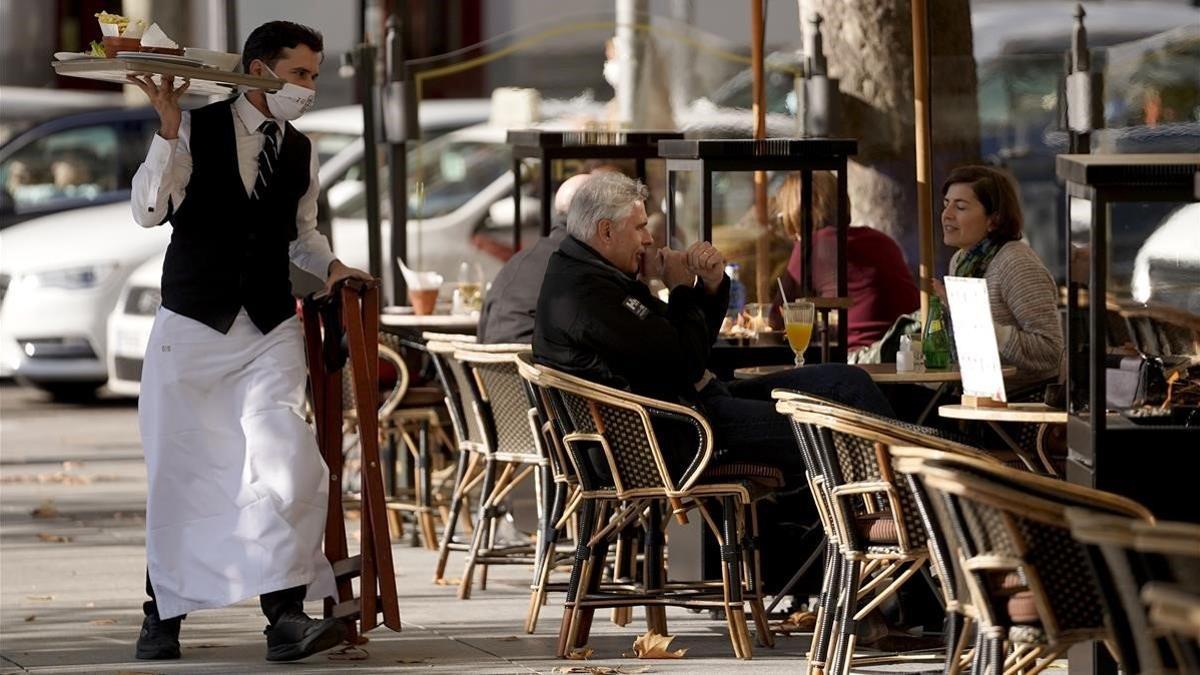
x: 920, y: 33
x: 400, y: 125
x: 364, y: 67
x: 761, y: 273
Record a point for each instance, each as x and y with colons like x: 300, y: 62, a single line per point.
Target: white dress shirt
x: 163, y: 179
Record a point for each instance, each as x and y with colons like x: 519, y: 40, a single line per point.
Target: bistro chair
x: 510, y: 453
x: 470, y: 446
x: 1139, y: 565
x: 1031, y: 584
x: 561, y: 498
x: 876, y: 523
x: 630, y: 475
x: 403, y: 411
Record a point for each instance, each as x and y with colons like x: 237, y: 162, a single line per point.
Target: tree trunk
x: 868, y: 44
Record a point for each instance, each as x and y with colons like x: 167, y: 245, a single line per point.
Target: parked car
x: 68, y: 270
x: 64, y: 163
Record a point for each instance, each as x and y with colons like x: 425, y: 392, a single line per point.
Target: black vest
x: 228, y: 251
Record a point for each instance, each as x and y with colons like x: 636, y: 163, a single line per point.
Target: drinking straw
x: 782, y: 295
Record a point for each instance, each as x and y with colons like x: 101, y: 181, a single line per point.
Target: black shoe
x: 297, y: 636
x: 159, y: 640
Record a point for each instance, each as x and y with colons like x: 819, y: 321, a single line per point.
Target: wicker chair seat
x: 1022, y: 609
x: 761, y: 474
x: 422, y: 397
x: 878, y: 528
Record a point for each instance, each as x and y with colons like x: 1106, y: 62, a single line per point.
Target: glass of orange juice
x: 798, y: 322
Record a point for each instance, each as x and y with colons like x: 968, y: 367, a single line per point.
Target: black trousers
x: 275, y: 604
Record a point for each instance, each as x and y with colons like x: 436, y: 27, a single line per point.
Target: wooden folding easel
x: 352, y: 311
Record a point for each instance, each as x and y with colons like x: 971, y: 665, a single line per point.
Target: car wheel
x: 71, y: 392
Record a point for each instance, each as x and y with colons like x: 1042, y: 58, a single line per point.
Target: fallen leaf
x: 601, y: 669
x: 349, y: 653
x: 510, y: 638
x: 31, y: 618
x: 654, y: 646
x: 206, y: 645
x: 581, y: 653
x: 53, y: 538
x: 410, y: 661
x: 797, y: 622
x: 45, y: 510
x: 39, y: 597
x: 102, y: 622
x: 447, y: 582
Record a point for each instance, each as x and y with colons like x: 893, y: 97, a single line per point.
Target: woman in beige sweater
x: 981, y: 217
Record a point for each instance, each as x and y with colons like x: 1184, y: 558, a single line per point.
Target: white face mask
x: 612, y: 72
x: 291, y: 101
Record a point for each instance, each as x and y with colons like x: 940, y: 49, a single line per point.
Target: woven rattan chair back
x: 1123, y: 573
x: 549, y: 426
x: 622, y: 425
x: 390, y: 398
x: 460, y: 397
x: 502, y: 402
x: 1005, y: 521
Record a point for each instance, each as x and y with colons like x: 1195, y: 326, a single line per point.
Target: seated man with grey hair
x: 598, y: 320
x: 508, y: 308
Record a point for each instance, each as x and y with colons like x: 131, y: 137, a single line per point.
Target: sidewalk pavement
x: 72, y: 519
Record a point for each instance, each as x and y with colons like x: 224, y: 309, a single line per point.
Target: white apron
x: 237, y: 488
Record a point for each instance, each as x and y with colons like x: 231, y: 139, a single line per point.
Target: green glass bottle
x: 936, y: 344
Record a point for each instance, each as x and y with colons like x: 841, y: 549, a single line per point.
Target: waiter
x: 237, y: 489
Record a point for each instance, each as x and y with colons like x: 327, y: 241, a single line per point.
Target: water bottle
x: 737, y: 292
x: 937, y: 340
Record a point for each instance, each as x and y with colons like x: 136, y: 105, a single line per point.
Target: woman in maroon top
x: 877, y: 278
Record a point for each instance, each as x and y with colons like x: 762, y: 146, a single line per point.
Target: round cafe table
x: 1014, y: 413
x: 885, y: 373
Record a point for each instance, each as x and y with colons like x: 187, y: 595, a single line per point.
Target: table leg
x: 929, y: 407
x: 1015, y: 447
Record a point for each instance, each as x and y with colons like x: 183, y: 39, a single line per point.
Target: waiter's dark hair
x: 267, y: 42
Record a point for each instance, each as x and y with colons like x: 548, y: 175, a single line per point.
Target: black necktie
x: 266, y: 159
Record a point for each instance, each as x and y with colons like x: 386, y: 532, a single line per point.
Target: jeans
x: 747, y: 426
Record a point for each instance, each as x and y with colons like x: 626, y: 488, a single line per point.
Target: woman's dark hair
x: 267, y: 42
x: 995, y: 190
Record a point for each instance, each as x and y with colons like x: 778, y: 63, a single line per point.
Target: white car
x: 66, y: 271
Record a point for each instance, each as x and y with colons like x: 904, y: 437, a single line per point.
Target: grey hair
x: 607, y: 195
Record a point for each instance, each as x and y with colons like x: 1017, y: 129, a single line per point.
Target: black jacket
x: 509, y: 307
x: 599, y: 323
x: 228, y: 251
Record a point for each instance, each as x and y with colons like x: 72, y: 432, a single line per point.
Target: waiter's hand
x: 706, y: 262
x: 338, y: 271
x: 165, y: 99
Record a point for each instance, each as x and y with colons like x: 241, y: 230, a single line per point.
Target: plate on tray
x: 161, y: 58
x: 73, y: 56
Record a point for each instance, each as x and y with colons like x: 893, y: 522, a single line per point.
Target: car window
x: 78, y: 164
x: 443, y: 175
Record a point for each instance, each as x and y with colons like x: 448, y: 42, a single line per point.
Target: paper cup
x: 423, y: 300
